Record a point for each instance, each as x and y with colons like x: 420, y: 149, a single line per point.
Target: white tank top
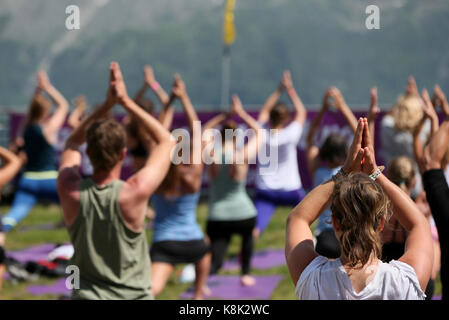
x: 324, y: 279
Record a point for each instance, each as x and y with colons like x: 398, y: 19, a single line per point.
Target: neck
x: 102, y: 177
x: 345, y: 261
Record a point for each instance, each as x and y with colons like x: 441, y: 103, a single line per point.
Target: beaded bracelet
x: 376, y: 173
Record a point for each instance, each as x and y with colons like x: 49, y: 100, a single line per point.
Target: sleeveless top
x: 325, y: 279
x: 228, y: 199
x: 323, y: 174
x: 113, y: 260
x: 176, y: 218
x: 41, y: 155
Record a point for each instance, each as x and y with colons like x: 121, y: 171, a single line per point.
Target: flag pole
x: 225, y: 77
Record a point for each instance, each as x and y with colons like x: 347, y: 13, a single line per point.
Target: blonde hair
x: 401, y: 171
x: 358, y: 206
x: 407, y: 112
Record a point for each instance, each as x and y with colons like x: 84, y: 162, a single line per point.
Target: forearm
x: 313, y: 128
x: 434, y: 124
x: 141, y: 93
x: 57, y: 98
x: 160, y: 93
x: 349, y: 116
x: 404, y: 209
x: 189, y: 110
x: 153, y: 126
x: 166, y: 116
x: 269, y: 104
x: 78, y: 136
x: 215, y: 121
x: 301, y: 111
x: 249, y: 121
x: 314, y: 204
x: 437, y: 192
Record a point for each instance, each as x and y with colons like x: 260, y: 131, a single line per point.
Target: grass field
x: 272, y: 238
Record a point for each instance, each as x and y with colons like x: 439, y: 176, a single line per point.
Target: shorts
x: 175, y: 252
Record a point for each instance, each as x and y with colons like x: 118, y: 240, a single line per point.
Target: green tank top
x: 228, y: 199
x: 113, y: 261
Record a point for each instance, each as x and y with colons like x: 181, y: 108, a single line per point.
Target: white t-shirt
x: 325, y: 279
x: 280, y: 172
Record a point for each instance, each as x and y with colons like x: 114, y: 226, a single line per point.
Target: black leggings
x: 220, y: 233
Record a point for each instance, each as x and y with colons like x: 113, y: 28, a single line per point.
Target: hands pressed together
x: 361, y: 157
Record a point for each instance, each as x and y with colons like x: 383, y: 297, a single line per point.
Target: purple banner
x: 332, y: 122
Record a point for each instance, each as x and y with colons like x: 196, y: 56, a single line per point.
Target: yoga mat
x: 57, y: 288
x: 265, y: 259
x: 41, y: 227
x: 34, y: 253
x: 229, y: 288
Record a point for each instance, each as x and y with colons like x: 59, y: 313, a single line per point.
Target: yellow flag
x: 228, y: 24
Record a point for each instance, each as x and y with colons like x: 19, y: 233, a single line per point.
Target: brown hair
x: 106, y: 139
x: 358, y: 205
x: 401, y: 172
x: 39, y: 106
x: 229, y: 125
x: 279, y: 114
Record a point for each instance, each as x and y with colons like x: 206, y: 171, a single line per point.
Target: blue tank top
x: 323, y: 174
x: 40, y: 154
x: 176, y: 218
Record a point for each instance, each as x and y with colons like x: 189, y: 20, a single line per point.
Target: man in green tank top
x: 104, y: 215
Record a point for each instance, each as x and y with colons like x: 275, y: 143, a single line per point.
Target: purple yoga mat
x: 230, y: 288
x: 261, y: 260
x: 57, y: 288
x: 35, y: 253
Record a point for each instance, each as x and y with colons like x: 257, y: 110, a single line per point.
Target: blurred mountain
x: 323, y: 43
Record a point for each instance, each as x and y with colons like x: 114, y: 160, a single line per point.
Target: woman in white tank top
x: 361, y: 199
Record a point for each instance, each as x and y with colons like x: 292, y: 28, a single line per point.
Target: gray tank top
x: 113, y: 260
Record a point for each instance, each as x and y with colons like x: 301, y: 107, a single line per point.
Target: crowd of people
x: 377, y: 236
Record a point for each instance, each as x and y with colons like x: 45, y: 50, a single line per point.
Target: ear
x: 123, y: 155
x: 381, y: 226
x: 335, y: 224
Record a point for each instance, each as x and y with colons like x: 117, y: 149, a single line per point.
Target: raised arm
x: 313, y: 151
x: 264, y: 113
x: 341, y: 106
x: 150, y: 81
x: 179, y: 90
x: 69, y: 179
x: 373, y: 112
x: 12, y: 165
x: 144, y: 182
x: 419, y: 246
x: 441, y: 100
x: 301, y: 112
x: 56, y: 121
x: 299, y: 248
x: 76, y: 116
x: 429, y: 111
x: 249, y: 152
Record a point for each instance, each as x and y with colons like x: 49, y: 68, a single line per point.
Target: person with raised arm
x: 373, y: 112
x: 397, y: 127
x: 105, y: 216
x: 231, y: 210
x: 324, y: 162
x: 360, y: 197
x: 437, y: 193
x: 11, y: 166
x: 40, y: 134
x: 177, y: 236
x: 281, y: 185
